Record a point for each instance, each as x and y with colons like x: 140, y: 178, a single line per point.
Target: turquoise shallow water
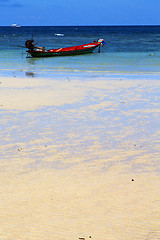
x: 128, y: 50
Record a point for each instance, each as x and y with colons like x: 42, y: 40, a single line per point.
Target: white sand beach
x: 79, y: 158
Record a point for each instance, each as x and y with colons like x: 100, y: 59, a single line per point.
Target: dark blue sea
x: 128, y: 50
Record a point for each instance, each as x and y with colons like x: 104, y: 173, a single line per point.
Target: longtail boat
x: 67, y: 51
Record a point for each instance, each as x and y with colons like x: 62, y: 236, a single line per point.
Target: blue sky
x: 83, y: 12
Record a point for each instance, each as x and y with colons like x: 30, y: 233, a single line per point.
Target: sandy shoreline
x: 79, y: 158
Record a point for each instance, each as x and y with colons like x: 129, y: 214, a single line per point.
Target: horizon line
x: 98, y: 25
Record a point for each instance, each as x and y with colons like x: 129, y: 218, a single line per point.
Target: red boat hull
x: 75, y: 50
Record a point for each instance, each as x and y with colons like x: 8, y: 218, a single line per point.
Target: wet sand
x: 79, y: 159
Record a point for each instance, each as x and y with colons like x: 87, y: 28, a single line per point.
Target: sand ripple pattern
x: 79, y: 158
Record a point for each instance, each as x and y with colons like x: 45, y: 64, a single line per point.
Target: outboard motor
x: 29, y: 44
